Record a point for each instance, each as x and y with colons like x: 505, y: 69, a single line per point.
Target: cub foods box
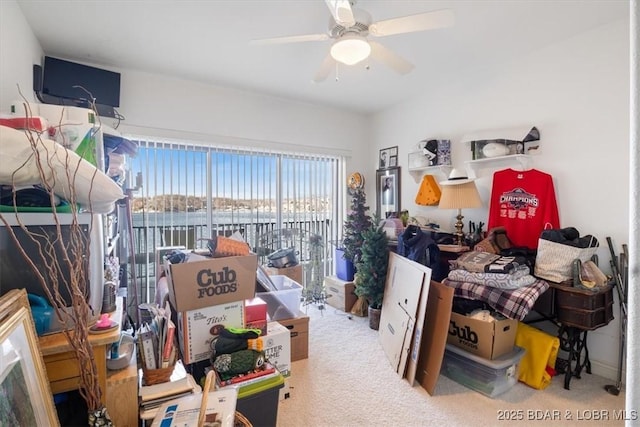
x: 197, y: 328
x: 483, y: 338
x: 203, y: 282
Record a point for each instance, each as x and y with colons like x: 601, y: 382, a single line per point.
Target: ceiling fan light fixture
x: 350, y: 49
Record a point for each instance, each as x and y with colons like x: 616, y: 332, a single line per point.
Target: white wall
x: 19, y: 50
x: 577, y: 94
x: 161, y: 105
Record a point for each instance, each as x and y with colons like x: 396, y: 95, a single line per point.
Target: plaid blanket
x: 512, y: 303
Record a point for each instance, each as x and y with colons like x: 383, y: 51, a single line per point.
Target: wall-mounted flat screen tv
x: 65, y: 79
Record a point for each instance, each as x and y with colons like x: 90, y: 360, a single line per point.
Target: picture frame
x: 388, y: 158
x: 25, y: 394
x: 388, y: 191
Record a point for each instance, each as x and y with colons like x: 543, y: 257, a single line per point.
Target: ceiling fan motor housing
x: 361, y: 26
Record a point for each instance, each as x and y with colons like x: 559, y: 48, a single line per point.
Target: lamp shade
x: 460, y: 196
x: 350, y: 49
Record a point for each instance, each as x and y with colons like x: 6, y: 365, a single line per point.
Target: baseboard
x: 606, y: 371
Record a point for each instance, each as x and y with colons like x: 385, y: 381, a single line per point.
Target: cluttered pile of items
x: 219, y: 316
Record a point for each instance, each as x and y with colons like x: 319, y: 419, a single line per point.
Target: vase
x: 345, y: 270
x: 374, y: 318
x: 100, y: 418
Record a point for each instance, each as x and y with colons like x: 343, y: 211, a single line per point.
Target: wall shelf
x: 418, y: 172
x: 521, y: 160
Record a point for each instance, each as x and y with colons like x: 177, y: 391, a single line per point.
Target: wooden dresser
x: 62, y: 365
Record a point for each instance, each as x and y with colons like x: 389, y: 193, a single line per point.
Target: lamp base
x: 459, y: 226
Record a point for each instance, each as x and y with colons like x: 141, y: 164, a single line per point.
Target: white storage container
x: 489, y: 377
x: 284, y: 303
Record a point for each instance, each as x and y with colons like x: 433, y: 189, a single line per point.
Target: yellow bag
x: 541, y: 351
x: 429, y: 192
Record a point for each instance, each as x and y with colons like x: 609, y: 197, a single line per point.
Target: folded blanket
x: 512, y: 303
x: 516, y: 279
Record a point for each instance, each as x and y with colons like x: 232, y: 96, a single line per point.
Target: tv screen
x: 62, y: 79
x: 15, y: 271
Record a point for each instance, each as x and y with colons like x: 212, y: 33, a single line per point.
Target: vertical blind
x: 191, y: 192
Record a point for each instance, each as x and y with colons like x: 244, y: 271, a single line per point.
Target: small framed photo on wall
x: 388, y: 158
x: 388, y: 191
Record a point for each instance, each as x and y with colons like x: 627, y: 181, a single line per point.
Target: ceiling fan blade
x: 412, y: 23
x: 290, y: 39
x: 389, y: 58
x: 341, y: 12
x: 325, y: 68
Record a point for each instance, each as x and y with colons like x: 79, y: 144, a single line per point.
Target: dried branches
x: 60, y: 252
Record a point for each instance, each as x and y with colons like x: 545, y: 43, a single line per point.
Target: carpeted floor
x: 348, y: 381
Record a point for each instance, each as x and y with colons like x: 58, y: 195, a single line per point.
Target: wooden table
x: 62, y: 365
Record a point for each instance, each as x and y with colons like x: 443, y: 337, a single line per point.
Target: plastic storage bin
x: 285, y: 302
x: 258, y: 401
x: 489, y: 377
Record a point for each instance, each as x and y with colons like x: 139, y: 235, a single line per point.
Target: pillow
x: 64, y: 171
x: 17, y: 156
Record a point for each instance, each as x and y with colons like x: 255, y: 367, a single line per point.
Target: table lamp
x: 459, y: 192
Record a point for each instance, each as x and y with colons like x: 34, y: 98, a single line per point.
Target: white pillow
x: 16, y: 155
x: 65, y: 172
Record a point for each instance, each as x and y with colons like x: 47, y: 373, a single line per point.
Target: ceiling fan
x: 350, y: 28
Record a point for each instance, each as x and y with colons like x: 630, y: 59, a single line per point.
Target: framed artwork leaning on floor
x: 25, y: 395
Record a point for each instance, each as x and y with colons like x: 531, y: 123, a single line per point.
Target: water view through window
x: 192, y: 192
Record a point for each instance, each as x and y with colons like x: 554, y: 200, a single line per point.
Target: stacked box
x: 277, y: 347
x: 489, y: 377
x: 294, y: 273
x: 204, y: 282
x: 299, y: 331
x: 340, y: 293
x: 488, y: 339
x: 197, y: 328
x: 255, y: 314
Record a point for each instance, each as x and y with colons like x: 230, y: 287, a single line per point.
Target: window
x: 191, y: 192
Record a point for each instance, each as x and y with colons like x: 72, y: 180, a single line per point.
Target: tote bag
x: 554, y: 260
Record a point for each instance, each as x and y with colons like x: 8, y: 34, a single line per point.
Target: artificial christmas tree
x: 371, y: 273
x: 355, y: 225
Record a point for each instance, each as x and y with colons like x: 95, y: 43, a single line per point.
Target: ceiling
x: 208, y: 41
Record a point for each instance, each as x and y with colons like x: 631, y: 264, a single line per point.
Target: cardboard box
x: 211, y: 281
x: 403, y: 296
x: 299, y: 331
x: 255, y: 314
x: 196, y: 328
x: 294, y: 273
x: 483, y: 338
x: 340, y: 293
x: 277, y: 347
x: 161, y: 251
x: 434, y: 336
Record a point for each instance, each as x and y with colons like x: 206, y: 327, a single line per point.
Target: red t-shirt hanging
x: 523, y: 202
